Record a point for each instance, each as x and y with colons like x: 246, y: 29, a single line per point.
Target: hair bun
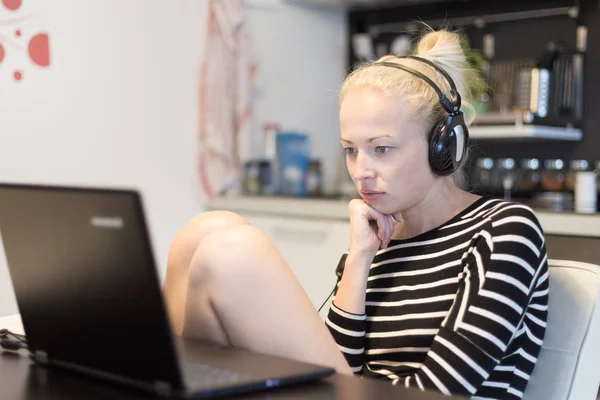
x: 443, y: 47
x: 446, y: 50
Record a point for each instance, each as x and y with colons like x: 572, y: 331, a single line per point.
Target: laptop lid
x: 85, y: 280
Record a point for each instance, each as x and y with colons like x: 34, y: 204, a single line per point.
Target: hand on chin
x: 384, y: 207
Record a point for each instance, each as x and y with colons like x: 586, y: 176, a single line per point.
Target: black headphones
x: 449, y: 136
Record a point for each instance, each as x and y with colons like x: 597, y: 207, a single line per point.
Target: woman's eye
x: 382, y: 149
x: 350, y: 150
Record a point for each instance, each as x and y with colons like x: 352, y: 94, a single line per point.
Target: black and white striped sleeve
x: 348, y: 331
x: 506, y: 263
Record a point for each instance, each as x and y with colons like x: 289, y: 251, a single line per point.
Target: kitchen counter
x: 560, y: 223
x: 284, y: 206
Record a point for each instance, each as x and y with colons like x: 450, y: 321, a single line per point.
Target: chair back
x: 567, y: 367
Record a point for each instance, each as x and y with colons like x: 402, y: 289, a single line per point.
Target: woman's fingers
x: 389, y: 230
x: 382, y: 224
x: 390, y: 221
x: 385, y: 226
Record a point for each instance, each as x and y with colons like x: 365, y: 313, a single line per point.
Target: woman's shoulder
x: 496, y: 209
x: 515, y: 210
x: 512, y: 218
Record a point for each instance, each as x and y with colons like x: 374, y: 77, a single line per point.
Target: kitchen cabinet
x: 362, y: 4
x: 312, y: 249
x: 386, y: 4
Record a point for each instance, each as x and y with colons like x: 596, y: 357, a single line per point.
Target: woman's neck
x: 439, y: 206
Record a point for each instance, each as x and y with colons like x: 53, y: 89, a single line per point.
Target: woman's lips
x: 370, y: 195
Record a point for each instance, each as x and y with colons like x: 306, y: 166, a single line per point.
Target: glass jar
x: 553, y: 176
x: 251, y: 181
x: 598, y: 174
x: 503, y: 174
x: 529, y: 176
x: 314, y: 180
x: 574, y: 167
x: 481, y: 174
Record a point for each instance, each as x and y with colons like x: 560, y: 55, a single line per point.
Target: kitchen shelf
x: 524, y: 132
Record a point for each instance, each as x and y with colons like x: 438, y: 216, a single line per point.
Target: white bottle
x: 586, y: 192
x: 271, y: 186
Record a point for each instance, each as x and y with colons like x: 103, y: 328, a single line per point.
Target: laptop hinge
x: 41, y: 357
x: 162, y: 388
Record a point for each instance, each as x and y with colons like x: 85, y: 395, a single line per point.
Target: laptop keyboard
x: 204, y: 376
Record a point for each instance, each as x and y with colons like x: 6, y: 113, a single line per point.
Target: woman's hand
x: 369, y: 228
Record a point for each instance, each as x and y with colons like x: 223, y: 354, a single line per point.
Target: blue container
x: 293, y: 156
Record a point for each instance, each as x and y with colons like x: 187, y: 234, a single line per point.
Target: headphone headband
x: 449, y: 136
x: 451, y: 107
x: 437, y: 68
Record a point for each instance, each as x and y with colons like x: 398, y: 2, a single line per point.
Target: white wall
x: 116, y: 107
x: 302, y: 54
x: 118, y: 104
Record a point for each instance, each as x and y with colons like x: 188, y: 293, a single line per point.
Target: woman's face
x: 386, y: 151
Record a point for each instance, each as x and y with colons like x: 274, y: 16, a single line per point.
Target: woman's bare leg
x: 236, y: 289
x: 181, y: 252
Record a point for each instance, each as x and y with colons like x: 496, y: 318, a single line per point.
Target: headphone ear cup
x: 441, y: 149
x: 448, y: 142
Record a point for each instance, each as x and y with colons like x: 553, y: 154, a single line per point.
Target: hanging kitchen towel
x: 226, y: 84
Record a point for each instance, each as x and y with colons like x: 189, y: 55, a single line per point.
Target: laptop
x: 89, y: 295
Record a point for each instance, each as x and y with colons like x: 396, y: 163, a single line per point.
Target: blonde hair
x: 443, y: 48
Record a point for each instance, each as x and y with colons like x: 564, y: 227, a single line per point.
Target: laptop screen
x: 85, y: 281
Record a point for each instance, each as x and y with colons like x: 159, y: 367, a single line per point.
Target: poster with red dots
x: 23, y: 45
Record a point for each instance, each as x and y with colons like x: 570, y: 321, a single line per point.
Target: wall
x: 117, y: 106
x: 302, y: 53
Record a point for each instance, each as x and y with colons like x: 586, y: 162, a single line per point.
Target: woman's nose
x: 363, y: 168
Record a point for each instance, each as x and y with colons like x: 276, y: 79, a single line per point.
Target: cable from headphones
x: 328, y: 297
x: 338, y: 272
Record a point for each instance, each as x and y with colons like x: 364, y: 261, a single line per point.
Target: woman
x: 441, y: 289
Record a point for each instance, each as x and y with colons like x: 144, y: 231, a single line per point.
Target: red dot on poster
x: 17, y: 33
x: 12, y: 4
x: 18, y: 75
x: 1, y: 52
x: 39, y: 51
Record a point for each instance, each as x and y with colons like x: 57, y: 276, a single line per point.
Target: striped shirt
x: 460, y: 309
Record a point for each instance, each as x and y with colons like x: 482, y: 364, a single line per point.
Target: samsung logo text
x: 108, y: 222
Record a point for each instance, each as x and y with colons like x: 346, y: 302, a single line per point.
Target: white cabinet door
x: 312, y: 249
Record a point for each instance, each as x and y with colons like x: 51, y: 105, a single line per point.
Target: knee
x: 208, y: 222
x: 187, y: 240
x: 205, y: 224
x: 236, y: 251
